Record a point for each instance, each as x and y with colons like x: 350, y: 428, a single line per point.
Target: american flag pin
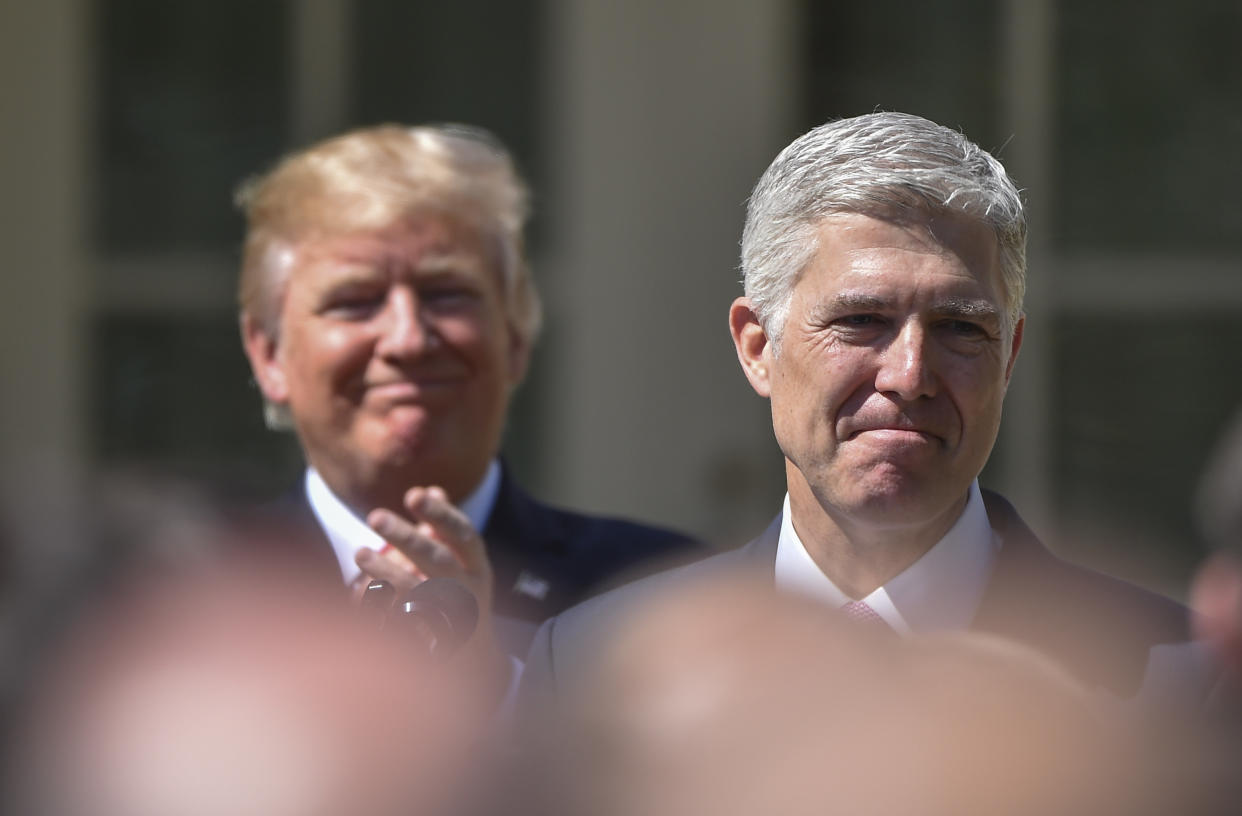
x: 531, y: 585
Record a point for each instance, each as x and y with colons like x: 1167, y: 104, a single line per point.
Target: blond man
x: 388, y: 313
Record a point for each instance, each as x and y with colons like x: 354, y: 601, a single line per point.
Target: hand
x: 438, y: 540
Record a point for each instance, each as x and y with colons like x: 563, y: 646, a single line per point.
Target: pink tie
x: 859, y: 611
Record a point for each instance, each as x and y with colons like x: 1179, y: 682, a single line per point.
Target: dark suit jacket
x: 1101, y: 629
x: 544, y: 559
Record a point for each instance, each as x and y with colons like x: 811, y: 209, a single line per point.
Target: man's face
x: 395, y: 358
x: 886, y: 390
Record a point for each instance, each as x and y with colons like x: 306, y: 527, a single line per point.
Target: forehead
x: 908, y: 256
x: 422, y: 246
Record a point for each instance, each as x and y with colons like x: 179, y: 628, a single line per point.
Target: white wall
x: 663, y: 115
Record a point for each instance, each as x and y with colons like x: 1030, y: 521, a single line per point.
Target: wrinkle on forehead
x: 404, y: 255
x: 940, y: 235
x: 853, y: 269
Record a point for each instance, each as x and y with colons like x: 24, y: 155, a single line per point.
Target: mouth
x: 895, y: 434
x: 401, y: 391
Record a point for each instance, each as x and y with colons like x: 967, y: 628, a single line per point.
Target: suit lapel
x: 1098, y: 627
x: 523, y: 542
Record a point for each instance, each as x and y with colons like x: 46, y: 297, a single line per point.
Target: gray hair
x: 881, y: 164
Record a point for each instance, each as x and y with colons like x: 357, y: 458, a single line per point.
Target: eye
x: 354, y: 304
x: 447, y: 297
x: 860, y: 321
x: 965, y: 328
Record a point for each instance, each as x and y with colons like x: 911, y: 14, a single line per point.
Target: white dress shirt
x: 939, y: 591
x: 349, y: 533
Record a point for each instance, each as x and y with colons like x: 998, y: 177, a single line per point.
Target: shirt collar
x: 941, y: 590
x: 348, y: 533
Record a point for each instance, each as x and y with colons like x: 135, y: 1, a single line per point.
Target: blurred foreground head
x: 241, y: 695
x: 729, y: 699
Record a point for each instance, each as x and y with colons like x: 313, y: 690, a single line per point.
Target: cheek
x: 484, y: 342
x: 808, y: 398
x: 466, y: 330
x: 329, y: 356
x: 839, y: 383
x: 978, y: 404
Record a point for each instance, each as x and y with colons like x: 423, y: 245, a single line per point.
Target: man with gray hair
x: 388, y: 314
x: 884, y: 264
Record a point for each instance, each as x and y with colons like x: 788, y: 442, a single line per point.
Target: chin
x: 405, y: 450
x: 399, y: 449
x: 896, y: 497
x: 406, y: 429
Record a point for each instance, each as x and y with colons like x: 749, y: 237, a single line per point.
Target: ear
x: 263, y: 352
x: 1013, y: 349
x: 754, y: 350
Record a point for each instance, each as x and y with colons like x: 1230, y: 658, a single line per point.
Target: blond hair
x: 371, y: 178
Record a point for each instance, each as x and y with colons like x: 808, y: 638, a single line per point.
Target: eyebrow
x: 448, y: 264
x: 857, y: 302
x: 969, y: 308
x: 980, y: 310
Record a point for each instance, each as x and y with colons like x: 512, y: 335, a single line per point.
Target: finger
x: 401, y: 575
x: 418, y: 543
x: 431, y: 505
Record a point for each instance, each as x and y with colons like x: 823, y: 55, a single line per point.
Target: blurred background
x: 641, y: 126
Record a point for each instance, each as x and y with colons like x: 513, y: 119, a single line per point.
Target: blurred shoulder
x: 566, y: 642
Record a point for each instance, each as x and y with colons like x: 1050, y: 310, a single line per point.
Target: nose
x: 904, y: 368
x: 404, y: 331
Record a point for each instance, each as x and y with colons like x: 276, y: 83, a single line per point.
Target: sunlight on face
x: 397, y: 358
x: 887, y: 388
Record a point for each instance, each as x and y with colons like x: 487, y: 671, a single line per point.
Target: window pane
x: 191, y: 100
x: 471, y: 61
x: 937, y: 60
x: 174, y: 392
x: 1149, y: 125
x: 1138, y: 403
